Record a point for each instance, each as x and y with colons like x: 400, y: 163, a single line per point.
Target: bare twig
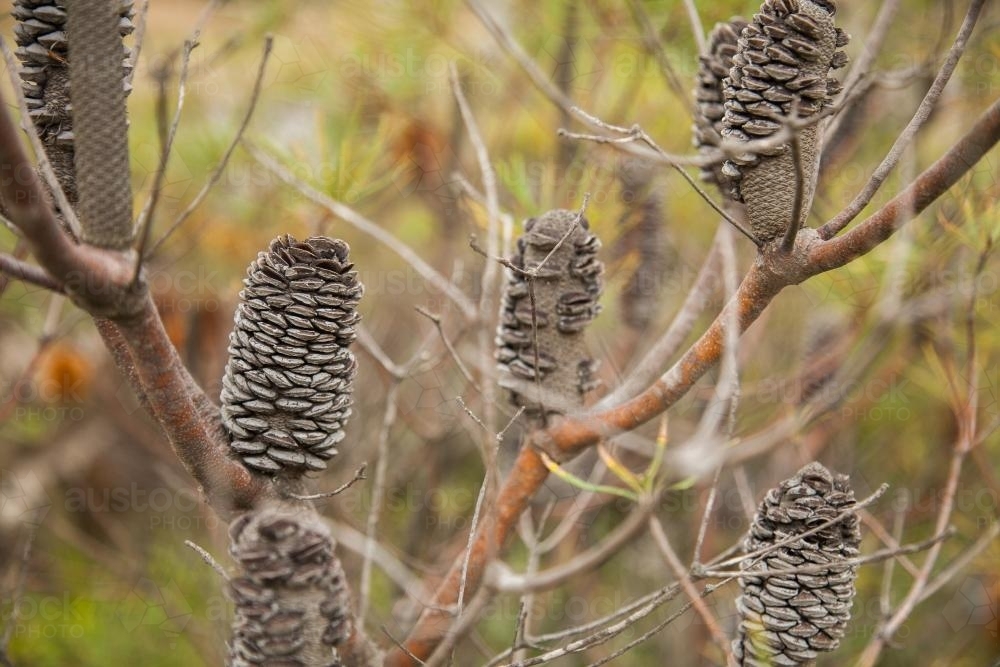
x: 834, y: 226
x: 436, y: 319
x: 224, y: 162
x: 366, y: 226
x: 208, y: 558
x: 29, y: 273
x: 674, y: 563
x: 359, y: 475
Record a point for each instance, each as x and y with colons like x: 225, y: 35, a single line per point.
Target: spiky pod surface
x: 287, y: 388
x: 713, y: 69
x: 788, y: 619
x: 291, y: 602
x: 40, y: 32
x: 782, y: 65
x: 541, y: 355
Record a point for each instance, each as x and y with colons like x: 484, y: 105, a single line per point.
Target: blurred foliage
x: 356, y: 102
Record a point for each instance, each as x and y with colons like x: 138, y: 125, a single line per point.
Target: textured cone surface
x: 788, y: 619
x: 286, y: 393
x: 713, y: 68
x: 784, y: 58
x: 41, y: 35
x: 541, y: 354
x: 292, y: 605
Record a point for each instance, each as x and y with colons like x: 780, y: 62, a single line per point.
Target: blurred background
x: 356, y: 103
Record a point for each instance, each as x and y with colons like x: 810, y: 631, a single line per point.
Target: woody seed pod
x: 292, y: 605
x: 287, y: 389
x: 788, y: 619
x: 40, y: 33
x: 541, y: 354
x: 781, y: 67
x: 713, y: 68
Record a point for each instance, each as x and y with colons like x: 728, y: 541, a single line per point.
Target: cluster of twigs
x: 127, y: 320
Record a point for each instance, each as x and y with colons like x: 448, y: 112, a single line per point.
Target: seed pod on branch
x: 291, y: 601
x: 781, y: 68
x: 41, y: 34
x: 713, y: 68
x: 788, y: 619
x: 287, y: 389
x: 541, y: 354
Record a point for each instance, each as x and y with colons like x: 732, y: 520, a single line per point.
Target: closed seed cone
x: 288, y: 384
x: 292, y: 606
x: 42, y: 48
x: 789, y: 619
x: 782, y: 66
x: 713, y: 68
x: 541, y: 354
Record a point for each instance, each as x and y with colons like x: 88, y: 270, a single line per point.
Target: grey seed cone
x: 287, y: 388
x: 40, y: 33
x: 789, y: 619
x: 784, y: 58
x: 713, y: 68
x: 540, y: 352
x: 291, y: 603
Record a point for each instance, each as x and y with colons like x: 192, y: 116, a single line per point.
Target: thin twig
x: 138, y: 39
x: 208, y: 558
x: 674, y: 563
x: 366, y: 226
x: 654, y: 46
x: 788, y: 242
x: 29, y: 273
x: 842, y: 219
x: 224, y: 162
x: 16, y: 593
x: 359, y: 475
x: 436, y: 319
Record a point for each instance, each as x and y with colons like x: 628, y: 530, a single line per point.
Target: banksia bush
x: 788, y: 619
x: 287, y: 389
x: 291, y: 602
x: 713, y: 68
x: 782, y: 66
x: 41, y: 35
x: 541, y: 354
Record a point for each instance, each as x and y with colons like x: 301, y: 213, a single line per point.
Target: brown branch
x: 524, y: 479
x: 771, y: 272
x: 930, y: 185
x: 173, y: 401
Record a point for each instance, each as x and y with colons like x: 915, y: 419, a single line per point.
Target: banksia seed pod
x: 40, y: 32
x: 292, y: 605
x: 540, y: 351
x: 286, y: 393
x: 782, y: 64
x: 788, y: 619
x: 713, y: 68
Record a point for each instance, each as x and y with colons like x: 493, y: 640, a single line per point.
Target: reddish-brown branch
x: 772, y: 271
x: 523, y: 481
x: 177, y: 406
x: 930, y: 185
x: 100, y: 281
